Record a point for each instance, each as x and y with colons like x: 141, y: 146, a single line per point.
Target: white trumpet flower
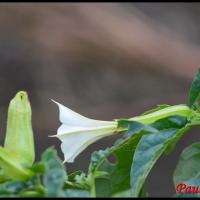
x: 78, y: 132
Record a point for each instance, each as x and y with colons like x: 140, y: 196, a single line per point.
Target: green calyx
x: 181, y: 109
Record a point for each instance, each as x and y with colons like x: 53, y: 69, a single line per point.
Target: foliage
x: 120, y: 170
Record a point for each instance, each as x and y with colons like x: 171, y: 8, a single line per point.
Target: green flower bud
x: 19, y: 135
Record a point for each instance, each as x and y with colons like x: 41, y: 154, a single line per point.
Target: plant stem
x: 92, y: 186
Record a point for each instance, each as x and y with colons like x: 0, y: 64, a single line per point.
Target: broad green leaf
x: 125, y: 193
x: 31, y: 188
x: 151, y: 147
x: 76, y: 193
x: 11, y: 188
x: 12, y: 168
x: 19, y: 134
x: 31, y: 194
x: 3, y: 177
x: 194, y: 93
x: 188, y: 168
x: 118, y: 173
x: 38, y: 168
x: 55, y: 175
x: 174, y: 121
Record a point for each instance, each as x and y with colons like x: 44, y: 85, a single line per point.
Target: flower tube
x: 78, y: 132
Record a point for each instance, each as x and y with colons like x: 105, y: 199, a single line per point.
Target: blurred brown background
x: 104, y: 61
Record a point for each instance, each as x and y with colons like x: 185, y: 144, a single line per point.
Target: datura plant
x: 141, y: 141
x: 78, y: 132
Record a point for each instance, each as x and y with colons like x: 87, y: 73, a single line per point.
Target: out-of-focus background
x: 105, y: 61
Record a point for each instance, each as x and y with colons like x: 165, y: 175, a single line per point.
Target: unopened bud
x: 19, y: 135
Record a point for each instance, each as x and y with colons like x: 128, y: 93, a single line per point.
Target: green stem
x: 92, y: 186
x: 93, y: 192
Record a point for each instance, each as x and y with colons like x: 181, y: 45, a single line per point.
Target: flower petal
x: 74, y: 143
x: 69, y: 117
x: 78, y: 132
x: 66, y: 129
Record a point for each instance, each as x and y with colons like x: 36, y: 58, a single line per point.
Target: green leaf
x: 38, y: 168
x: 76, y: 193
x: 31, y: 188
x: 188, y: 168
x: 77, y: 180
x: 147, y: 152
x: 118, y: 173
x: 82, y: 180
x: 55, y: 175
x: 31, y: 194
x: 159, y: 107
x: 12, y: 168
x: 19, y: 134
x: 151, y: 147
x: 11, y: 189
x: 125, y: 193
x: 194, y: 93
x: 174, y: 121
